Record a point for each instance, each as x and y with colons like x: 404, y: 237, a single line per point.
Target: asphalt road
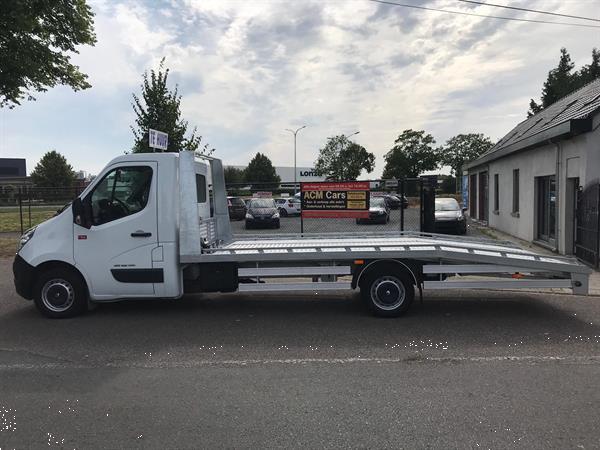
x: 464, y: 369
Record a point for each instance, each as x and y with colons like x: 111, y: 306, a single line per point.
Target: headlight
x: 275, y: 216
x: 25, y: 238
x: 380, y: 212
x: 249, y: 216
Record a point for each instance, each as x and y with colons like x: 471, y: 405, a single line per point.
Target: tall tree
x: 233, y: 175
x: 562, y: 81
x: 159, y: 109
x: 342, y: 159
x: 463, y: 148
x: 412, y: 154
x: 53, y: 170
x: 591, y: 71
x: 261, y: 170
x: 36, y: 41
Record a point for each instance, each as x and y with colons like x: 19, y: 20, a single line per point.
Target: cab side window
x: 123, y: 191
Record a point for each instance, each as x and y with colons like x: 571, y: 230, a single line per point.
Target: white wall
x: 579, y: 157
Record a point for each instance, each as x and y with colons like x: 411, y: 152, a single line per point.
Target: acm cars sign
x: 335, y: 199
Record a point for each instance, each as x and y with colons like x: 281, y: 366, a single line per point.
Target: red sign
x: 335, y: 199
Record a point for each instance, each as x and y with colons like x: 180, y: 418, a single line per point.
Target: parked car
x: 379, y: 212
x: 237, y: 208
x: 395, y: 202
x: 262, y: 213
x: 288, y: 206
x: 449, y: 217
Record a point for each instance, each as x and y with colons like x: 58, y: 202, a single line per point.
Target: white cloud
x: 248, y: 70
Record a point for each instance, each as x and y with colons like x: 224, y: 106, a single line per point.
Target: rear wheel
x: 387, y: 293
x: 60, y: 293
x: 283, y: 212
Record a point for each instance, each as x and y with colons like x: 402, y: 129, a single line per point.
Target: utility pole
x: 295, y: 132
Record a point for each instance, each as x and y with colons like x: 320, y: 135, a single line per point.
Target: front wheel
x: 387, y: 294
x: 60, y: 293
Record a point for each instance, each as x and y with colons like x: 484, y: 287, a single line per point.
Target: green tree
x: 463, y: 148
x: 159, y: 109
x: 37, y: 38
x: 233, y: 175
x: 343, y: 159
x: 591, y: 71
x: 412, y: 154
x: 562, y: 81
x: 53, y: 171
x: 260, y: 170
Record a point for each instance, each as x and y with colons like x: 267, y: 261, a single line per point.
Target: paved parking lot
x: 464, y: 369
x: 292, y: 224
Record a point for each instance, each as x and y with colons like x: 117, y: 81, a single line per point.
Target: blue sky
x: 248, y: 70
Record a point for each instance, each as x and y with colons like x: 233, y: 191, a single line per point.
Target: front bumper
x: 24, y: 274
x: 262, y: 222
x: 456, y: 226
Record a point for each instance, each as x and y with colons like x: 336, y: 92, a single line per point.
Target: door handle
x: 141, y: 234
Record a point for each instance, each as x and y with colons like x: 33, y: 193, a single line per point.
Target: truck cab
x: 119, y: 238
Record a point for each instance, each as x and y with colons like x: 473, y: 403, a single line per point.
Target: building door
x: 483, y: 196
x: 546, y: 209
x: 473, y: 196
x: 570, y: 206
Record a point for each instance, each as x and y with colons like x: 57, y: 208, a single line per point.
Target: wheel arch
x: 413, y: 269
x: 55, y: 264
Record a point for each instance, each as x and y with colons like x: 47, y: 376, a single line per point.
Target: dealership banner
x: 335, y: 199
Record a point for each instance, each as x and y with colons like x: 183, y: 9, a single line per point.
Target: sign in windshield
x: 335, y: 199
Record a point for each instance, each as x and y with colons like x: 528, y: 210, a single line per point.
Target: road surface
x: 462, y: 370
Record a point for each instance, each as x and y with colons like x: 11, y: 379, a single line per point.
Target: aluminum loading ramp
x: 440, y: 254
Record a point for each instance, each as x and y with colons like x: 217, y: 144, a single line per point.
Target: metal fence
x: 587, y: 240
x: 402, y: 215
x: 25, y: 206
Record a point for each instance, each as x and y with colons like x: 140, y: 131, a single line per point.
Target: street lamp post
x: 295, y: 132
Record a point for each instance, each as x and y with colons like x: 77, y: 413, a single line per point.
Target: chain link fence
x: 402, y: 210
x: 22, y: 207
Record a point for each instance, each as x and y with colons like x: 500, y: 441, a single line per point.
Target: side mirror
x: 464, y: 210
x: 81, y: 214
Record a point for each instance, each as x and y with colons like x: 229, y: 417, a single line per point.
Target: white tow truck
x: 144, y: 229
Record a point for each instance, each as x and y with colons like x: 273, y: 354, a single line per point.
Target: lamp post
x: 295, y: 170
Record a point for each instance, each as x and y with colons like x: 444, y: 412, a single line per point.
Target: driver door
x: 115, y: 253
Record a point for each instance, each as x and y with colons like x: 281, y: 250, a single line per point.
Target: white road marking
x: 593, y: 359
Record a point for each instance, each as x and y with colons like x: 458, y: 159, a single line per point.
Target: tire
x: 60, y: 293
x: 387, y: 293
x: 283, y: 212
x: 277, y: 225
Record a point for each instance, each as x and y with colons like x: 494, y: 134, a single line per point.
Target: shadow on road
x: 338, y: 321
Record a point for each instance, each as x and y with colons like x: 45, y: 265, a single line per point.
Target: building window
x: 515, y: 200
x: 496, y: 194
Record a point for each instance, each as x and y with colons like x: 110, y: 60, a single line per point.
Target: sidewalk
x: 594, y: 288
